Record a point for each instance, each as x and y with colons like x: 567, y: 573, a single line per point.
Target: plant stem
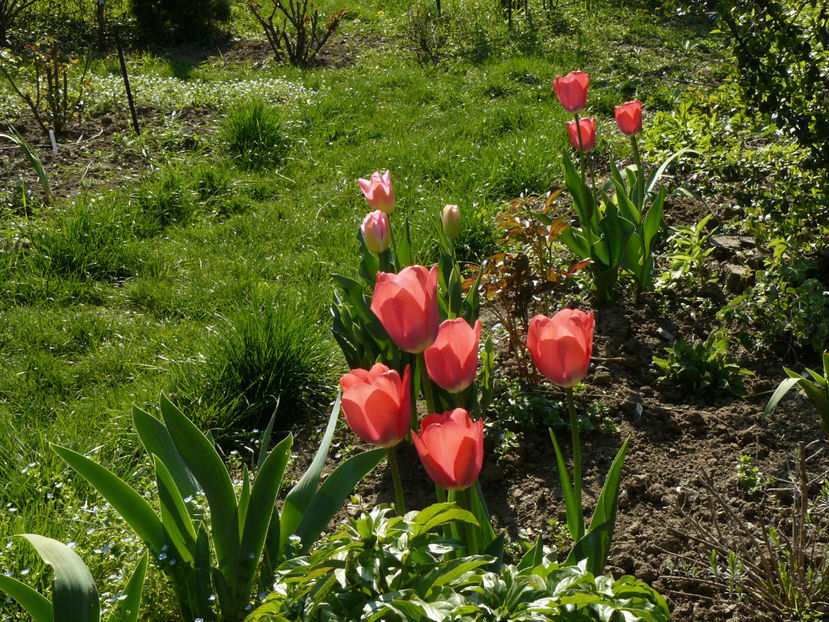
x: 581, y: 150
x: 427, y: 384
x: 471, y: 534
x: 574, y: 432
x: 399, y: 500
x: 640, y: 175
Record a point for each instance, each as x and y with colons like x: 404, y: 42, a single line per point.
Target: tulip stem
x: 581, y: 150
x: 471, y: 534
x: 640, y: 174
x: 399, y: 500
x: 574, y: 432
x: 427, y: 385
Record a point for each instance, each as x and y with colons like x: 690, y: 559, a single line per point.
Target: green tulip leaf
x: 156, y: 441
x: 128, y: 608
x: 74, y: 595
x: 35, y: 604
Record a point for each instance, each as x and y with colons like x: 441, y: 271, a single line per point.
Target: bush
x: 183, y: 17
x: 260, y: 359
x: 782, y: 52
x: 254, y: 135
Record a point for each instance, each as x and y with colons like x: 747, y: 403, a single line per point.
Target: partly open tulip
x: 378, y: 191
x: 561, y: 346
x: 588, y: 134
x: 629, y: 117
x: 407, y: 306
x: 572, y: 90
x: 451, y: 448
x: 376, y: 232
x: 376, y: 404
x: 453, y: 359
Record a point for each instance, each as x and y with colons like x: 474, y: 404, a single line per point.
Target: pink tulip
x: 453, y: 359
x: 378, y: 191
x: 561, y: 346
x: 588, y: 134
x: 451, y: 448
x: 629, y: 117
x: 407, y: 306
x: 376, y: 232
x: 572, y: 90
x: 376, y: 404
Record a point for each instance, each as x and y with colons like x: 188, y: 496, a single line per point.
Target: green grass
x: 209, y: 275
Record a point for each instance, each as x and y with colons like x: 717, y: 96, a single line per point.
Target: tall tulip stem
x: 471, y: 533
x: 640, y: 173
x: 427, y: 384
x: 581, y: 150
x: 399, y: 500
x: 574, y: 432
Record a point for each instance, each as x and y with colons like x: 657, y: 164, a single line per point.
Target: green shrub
x: 261, y: 358
x: 254, y: 135
x: 183, y: 17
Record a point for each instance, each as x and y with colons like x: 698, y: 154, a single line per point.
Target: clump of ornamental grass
x: 266, y: 357
x: 254, y: 135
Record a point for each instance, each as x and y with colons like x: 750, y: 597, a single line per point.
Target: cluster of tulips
x: 380, y: 404
x: 572, y: 94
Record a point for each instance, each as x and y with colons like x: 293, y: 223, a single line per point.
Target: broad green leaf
x: 74, y: 595
x: 576, y: 242
x: 439, y: 514
x: 533, y: 556
x: 334, y: 490
x: 156, y: 441
x: 174, y: 515
x: 403, y: 250
x: 244, y: 499
x: 572, y: 506
x: 653, y: 219
x: 202, y: 574
x: 127, y: 609
x: 35, y: 604
x: 300, y: 495
x: 265, y: 440
x: 456, y: 568
x: 207, y: 467
x: 129, y: 504
x: 261, y: 510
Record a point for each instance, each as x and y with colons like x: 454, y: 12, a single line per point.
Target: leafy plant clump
x: 391, y: 568
x: 702, y: 367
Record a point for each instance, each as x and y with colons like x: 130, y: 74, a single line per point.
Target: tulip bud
x: 588, y: 134
x: 451, y: 220
x: 376, y: 232
x: 561, y: 346
x: 629, y: 117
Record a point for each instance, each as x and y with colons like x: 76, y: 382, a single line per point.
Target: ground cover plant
x: 197, y: 258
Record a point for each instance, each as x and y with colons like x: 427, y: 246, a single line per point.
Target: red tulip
x: 572, y: 90
x: 453, y: 359
x: 407, y: 306
x: 588, y: 134
x: 378, y: 191
x: 561, y: 346
x: 451, y: 448
x: 376, y: 232
x: 376, y: 404
x: 629, y: 117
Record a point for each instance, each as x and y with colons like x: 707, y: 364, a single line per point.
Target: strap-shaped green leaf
x: 330, y: 496
x: 572, y: 506
x: 207, y: 467
x: 244, y: 499
x: 261, y: 508
x: 74, y: 595
x: 533, y: 557
x: 657, y: 174
x: 156, y: 441
x: 784, y: 387
x: 174, y: 515
x: 35, y: 604
x: 605, y: 514
x: 128, y: 608
x: 129, y: 504
x: 203, y: 580
x: 300, y: 495
x: 653, y: 220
